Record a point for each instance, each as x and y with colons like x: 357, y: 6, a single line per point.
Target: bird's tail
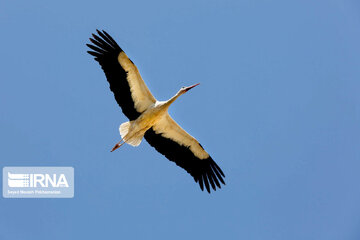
x: 134, y: 139
x: 124, y: 129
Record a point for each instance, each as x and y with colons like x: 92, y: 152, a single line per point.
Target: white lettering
x: 51, y: 181
x: 39, y: 178
x: 62, y: 181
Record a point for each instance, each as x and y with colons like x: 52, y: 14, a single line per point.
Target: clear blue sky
x: 278, y: 108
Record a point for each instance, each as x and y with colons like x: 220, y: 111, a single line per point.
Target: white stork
x: 148, y: 117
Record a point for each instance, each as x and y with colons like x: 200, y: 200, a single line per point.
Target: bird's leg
x: 119, y: 144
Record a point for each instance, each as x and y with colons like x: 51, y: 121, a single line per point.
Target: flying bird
x: 149, y: 118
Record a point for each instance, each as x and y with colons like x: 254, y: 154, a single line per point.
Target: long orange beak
x: 188, y: 88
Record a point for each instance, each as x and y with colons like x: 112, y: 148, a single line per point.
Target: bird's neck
x: 171, y: 100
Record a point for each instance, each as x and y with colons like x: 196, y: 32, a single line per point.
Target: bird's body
x: 149, y: 118
x: 132, y: 132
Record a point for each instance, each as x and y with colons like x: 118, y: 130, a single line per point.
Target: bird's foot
x: 119, y: 144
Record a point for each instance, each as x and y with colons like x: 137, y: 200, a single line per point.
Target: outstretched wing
x: 129, y: 89
x: 168, y: 138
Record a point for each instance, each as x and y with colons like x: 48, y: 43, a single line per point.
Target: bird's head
x: 185, y: 89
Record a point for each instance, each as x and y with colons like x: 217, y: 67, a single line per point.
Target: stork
x: 149, y: 118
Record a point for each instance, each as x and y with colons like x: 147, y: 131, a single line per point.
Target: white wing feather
x: 140, y: 93
x: 170, y: 129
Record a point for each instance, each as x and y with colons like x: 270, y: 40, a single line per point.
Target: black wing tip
x: 100, y: 31
x: 204, y: 171
x: 210, y: 176
x: 103, y: 43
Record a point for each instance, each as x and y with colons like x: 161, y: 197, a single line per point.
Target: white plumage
x: 149, y: 118
x: 140, y: 93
